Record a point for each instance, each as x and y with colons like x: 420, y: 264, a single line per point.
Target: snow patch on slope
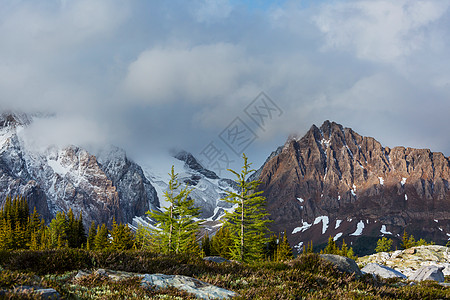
x: 403, y: 181
x: 305, y: 226
x: 58, y: 168
x: 324, y: 220
x: 383, y: 230
x: 337, y: 236
x: 359, y: 229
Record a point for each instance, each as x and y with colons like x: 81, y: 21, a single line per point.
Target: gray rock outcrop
x: 344, y: 264
x: 33, y: 291
x: 382, y: 271
x: 410, y: 260
x: 216, y: 259
x: 428, y: 273
x: 201, y: 289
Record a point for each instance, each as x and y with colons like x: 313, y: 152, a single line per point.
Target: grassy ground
x: 307, y: 277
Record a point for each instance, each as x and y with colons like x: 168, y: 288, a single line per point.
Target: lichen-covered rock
x: 216, y: 259
x: 344, y: 264
x: 201, y: 289
x: 428, y: 273
x: 382, y: 271
x: 25, y: 291
x: 410, y: 260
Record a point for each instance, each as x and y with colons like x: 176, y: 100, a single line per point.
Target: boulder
x: 407, y: 263
x: 199, y: 288
x: 344, y: 264
x: 33, y: 291
x: 47, y: 293
x: 428, y: 273
x: 382, y: 271
x: 216, y: 259
x: 82, y: 274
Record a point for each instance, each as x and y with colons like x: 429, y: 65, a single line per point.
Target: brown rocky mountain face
x: 102, y: 187
x: 335, y: 182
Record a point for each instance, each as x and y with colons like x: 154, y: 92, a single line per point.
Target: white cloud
x: 62, y: 131
x: 203, y: 73
x: 379, y: 30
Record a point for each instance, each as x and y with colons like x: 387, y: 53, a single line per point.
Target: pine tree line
x: 120, y: 237
x: 333, y: 248
x: 244, y: 235
x: 21, y: 230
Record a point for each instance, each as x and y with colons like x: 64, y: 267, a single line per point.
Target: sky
x: 222, y: 77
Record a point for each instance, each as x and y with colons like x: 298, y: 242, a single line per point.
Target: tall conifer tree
x: 248, y: 222
x: 175, y: 225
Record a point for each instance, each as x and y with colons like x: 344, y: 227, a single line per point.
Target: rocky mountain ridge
x: 57, y: 179
x: 335, y: 182
x: 103, y: 185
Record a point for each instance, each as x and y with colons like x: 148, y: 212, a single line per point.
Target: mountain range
x: 329, y: 182
x: 335, y: 182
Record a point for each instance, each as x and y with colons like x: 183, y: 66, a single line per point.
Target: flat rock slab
x: 41, y: 293
x: 410, y: 260
x: 344, y: 264
x: 216, y: 259
x: 199, y: 288
x: 110, y: 274
x: 382, y: 271
x: 428, y: 273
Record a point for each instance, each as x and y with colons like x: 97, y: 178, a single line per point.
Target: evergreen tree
x: 186, y: 226
x: 71, y: 229
x: 404, y: 243
x: 90, y: 245
x: 309, y: 248
x: 331, y: 247
x: 344, y: 249
x: 121, y: 237
x: 271, y: 248
x: 248, y: 222
x: 383, y: 245
x: 176, y: 224
x: 81, y: 233
x: 221, y: 243
x: 192, y: 246
x: 206, y: 245
x: 16, y: 224
x: 58, y: 229
x: 101, y: 241
x: 284, y: 250
x: 145, y: 240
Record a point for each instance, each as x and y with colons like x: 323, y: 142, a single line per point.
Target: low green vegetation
x: 410, y: 241
x: 383, y: 245
x: 305, y: 277
x: 262, y: 266
x: 333, y: 248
